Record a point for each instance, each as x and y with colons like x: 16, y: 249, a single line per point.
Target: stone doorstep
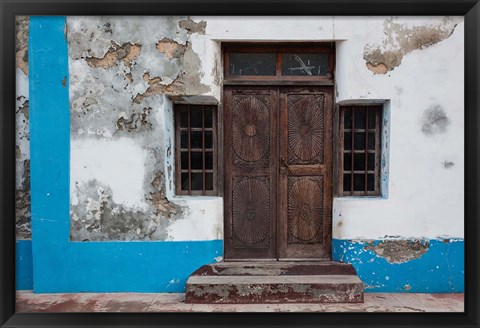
x: 275, y: 268
x: 274, y: 289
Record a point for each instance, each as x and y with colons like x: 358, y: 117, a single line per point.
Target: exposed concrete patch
x: 96, y: 217
x: 158, y: 199
x: 21, y: 45
x: 22, y: 204
x: 434, y: 120
x: 170, y: 48
x: 187, y: 82
x: 401, y: 39
x: 399, y: 251
x: 126, y: 52
x: 192, y: 27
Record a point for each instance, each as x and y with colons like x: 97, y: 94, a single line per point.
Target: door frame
x: 278, y: 81
x: 278, y: 225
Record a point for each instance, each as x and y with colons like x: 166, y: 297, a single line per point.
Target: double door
x: 278, y: 173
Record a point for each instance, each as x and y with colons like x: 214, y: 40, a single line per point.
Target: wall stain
x: 401, y: 39
x: 434, y: 120
x: 399, y: 251
x: 447, y: 164
x: 136, y: 121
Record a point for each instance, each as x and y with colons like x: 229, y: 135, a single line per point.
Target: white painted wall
x: 425, y: 199
x: 105, y: 161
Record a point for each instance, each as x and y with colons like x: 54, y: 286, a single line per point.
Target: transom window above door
x: 279, y: 62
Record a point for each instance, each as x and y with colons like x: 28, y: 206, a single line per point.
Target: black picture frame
x: 10, y: 8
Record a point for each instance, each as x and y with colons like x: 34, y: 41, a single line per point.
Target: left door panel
x: 250, y: 146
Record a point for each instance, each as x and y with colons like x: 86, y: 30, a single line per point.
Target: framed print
x: 175, y: 163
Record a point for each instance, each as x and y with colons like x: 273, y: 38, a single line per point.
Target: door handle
x: 284, y: 162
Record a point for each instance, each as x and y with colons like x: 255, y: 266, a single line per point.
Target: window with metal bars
x: 360, y: 150
x: 195, y: 149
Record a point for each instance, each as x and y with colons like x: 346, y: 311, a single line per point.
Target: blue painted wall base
x: 439, y: 270
x: 23, y: 265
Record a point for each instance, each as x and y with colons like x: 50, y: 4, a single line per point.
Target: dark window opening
x: 360, y: 150
x: 195, y: 149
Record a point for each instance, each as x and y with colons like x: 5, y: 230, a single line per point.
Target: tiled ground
x: 146, y: 302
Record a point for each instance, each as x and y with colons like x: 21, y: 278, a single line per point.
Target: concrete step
x: 275, y: 268
x: 274, y: 282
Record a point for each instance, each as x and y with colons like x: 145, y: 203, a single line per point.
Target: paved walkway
x: 174, y: 302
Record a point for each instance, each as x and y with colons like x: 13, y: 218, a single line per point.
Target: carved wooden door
x: 278, y: 161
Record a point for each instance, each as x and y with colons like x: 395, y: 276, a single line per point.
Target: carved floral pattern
x: 305, y: 210
x: 305, y: 129
x: 251, y: 211
x: 251, y: 128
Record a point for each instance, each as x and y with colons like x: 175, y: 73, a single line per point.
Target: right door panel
x: 305, y: 188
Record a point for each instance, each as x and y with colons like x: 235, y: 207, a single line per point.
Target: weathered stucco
x: 120, y: 70
x: 22, y: 147
x: 21, y: 45
x: 125, y: 73
x: 401, y: 39
x: 424, y: 133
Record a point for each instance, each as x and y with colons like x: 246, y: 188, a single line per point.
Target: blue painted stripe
x: 58, y: 264
x: 439, y: 270
x: 23, y: 265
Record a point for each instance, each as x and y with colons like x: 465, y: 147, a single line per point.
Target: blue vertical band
x: 58, y: 264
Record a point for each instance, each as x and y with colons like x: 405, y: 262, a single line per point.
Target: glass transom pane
x: 252, y: 64
x: 304, y: 64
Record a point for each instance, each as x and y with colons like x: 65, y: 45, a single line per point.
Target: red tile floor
x: 174, y: 302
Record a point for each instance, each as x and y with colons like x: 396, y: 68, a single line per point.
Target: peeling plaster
x: 96, y: 217
x: 22, y: 131
x: 21, y: 44
x: 401, y: 39
x: 192, y: 27
x: 399, y: 251
x: 170, y: 48
x: 116, y: 53
x: 120, y: 69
